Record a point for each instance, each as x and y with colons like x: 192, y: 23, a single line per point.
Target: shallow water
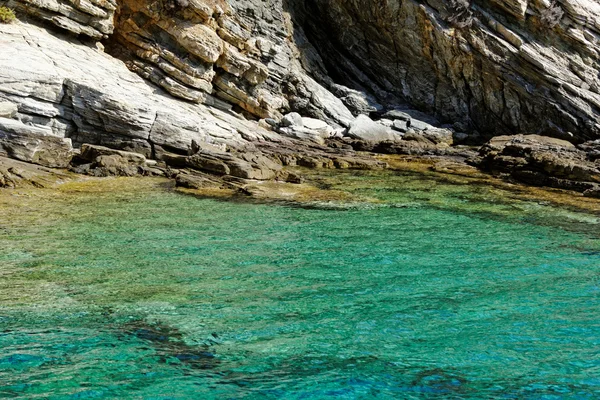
x: 418, y: 289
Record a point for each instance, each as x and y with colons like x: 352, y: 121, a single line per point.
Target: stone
x: 593, y: 192
x: 90, y: 18
x: 246, y: 165
x: 439, y: 136
x: 92, y: 153
x: 303, y: 134
x: 364, y: 128
x: 317, y: 125
x: 540, y: 160
x: 19, y: 174
x: 8, y: 109
x: 112, y: 165
x: 206, y: 162
x: 397, y: 115
x: 420, y: 125
x: 487, y: 65
x: 400, y: 125
x: 34, y: 145
x: 292, y: 119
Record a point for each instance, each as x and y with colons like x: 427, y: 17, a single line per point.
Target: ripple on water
x: 452, y: 292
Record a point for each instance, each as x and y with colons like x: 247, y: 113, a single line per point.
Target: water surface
x: 418, y: 289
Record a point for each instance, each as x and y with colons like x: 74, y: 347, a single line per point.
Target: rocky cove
x: 213, y: 91
x: 312, y: 199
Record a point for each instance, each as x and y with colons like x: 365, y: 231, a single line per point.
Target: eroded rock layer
x: 487, y: 67
x: 495, y: 66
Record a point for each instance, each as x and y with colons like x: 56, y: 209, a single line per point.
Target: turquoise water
x: 450, y: 293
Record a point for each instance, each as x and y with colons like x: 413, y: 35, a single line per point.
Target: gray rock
x: 397, y: 115
x: 439, y: 136
x: 420, y: 125
x: 34, y: 145
x: 303, y: 134
x: 541, y: 161
x: 400, y: 125
x: 246, y: 165
x: 487, y: 65
x: 292, y: 119
x: 364, y: 128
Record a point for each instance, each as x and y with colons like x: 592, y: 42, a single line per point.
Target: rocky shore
x: 215, y: 95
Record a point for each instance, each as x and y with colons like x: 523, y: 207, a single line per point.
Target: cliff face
x: 487, y: 67
x: 497, y: 66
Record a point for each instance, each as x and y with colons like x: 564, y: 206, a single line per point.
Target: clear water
x: 432, y: 291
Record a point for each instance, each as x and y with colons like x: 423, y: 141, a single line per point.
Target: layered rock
x: 499, y: 66
x: 543, y: 161
x: 92, y: 18
x: 209, y: 84
x: 206, y: 52
x: 69, y: 90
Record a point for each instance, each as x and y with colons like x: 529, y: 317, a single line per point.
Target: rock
x: 34, y: 145
x: 592, y: 149
x: 439, y: 136
x: 92, y: 153
x: 310, y: 129
x: 459, y: 137
x: 112, y: 165
x: 294, y: 178
x: 420, y: 125
x: 199, y: 146
x: 539, y: 160
x: 17, y: 174
x: 271, y: 122
x: 400, y: 126
x: 593, y: 192
x: 204, y: 161
x: 246, y: 165
x: 90, y: 18
x: 292, y: 119
x: 174, y: 160
x: 102, y: 161
x: 8, y: 109
x: 385, y: 122
x: 488, y: 65
x: 364, y: 128
x: 195, y: 181
x: 315, y: 124
x: 397, y: 115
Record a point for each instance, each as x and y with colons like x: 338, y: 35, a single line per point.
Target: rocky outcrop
x: 70, y: 90
x: 93, y: 18
x: 32, y: 144
x: 543, y: 161
x: 239, y: 90
x: 207, y: 52
x: 484, y: 67
x: 521, y: 66
x: 19, y: 174
x: 363, y: 128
